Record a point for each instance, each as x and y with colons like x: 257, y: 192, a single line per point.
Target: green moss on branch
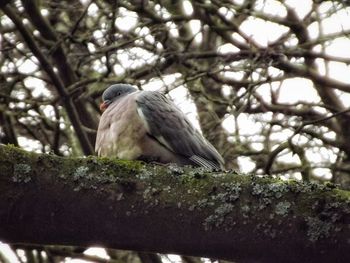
x: 131, y: 205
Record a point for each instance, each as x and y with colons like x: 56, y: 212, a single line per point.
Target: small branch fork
x: 297, y: 149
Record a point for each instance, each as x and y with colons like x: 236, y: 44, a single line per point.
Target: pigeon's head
x: 115, y: 92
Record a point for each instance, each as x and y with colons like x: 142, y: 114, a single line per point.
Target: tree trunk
x: 46, y: 199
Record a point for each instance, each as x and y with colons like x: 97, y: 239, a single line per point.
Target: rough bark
x: 45, y: 199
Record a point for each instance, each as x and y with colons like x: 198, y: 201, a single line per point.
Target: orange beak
x: 103, y: 106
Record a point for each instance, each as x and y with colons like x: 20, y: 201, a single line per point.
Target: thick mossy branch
x: 46, y: 199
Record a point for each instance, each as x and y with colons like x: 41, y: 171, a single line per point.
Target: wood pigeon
x: 145, y: 125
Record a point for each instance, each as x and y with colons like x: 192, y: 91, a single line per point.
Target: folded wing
x: 170, y: 127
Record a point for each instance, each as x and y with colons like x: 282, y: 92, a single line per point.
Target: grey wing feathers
x: 169, y: 125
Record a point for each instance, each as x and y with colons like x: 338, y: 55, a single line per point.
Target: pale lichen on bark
x: 125, y: 204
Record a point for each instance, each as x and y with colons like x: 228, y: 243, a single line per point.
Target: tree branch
x: 66, y: 100
x: 46, y: 199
